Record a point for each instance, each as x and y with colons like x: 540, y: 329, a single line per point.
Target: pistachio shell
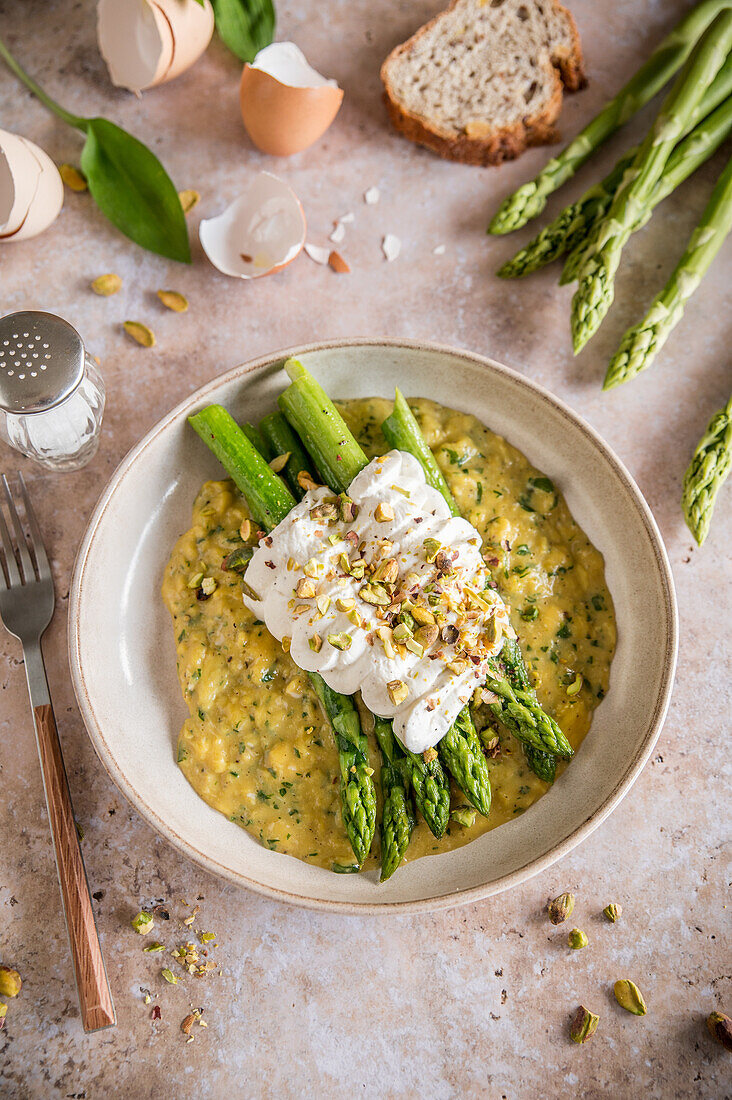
x: 140, y: 333
x: 188, y: 199
x: 72, y: 177
x: 105, y: 285
x: 171, y: 299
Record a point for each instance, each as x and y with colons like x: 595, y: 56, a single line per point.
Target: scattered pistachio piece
x: 169, y: 976
x: 315, y: 642
x: 720, y: 1029
x: 208, y: 585
x: 584, y: 1024
x: 398, y: 691
x: 431, y: 549
x: 429, y: 755
x: 195, y: 581
x: 560, y: 908
x: 106, y: 285
x: 612, y: 912
x: 577, y: 939
x: 140, y: 333
x: 10, y: 982
x: 153, y: 947
x: 188, y: 199
x: 305, y: 481
x: 3, y: 1014
x: 279, y: 462
x: 576, y: 685
x: 629, y: 997
x: 206, y: 937
x: 246, y: 529
x: 74, y: 179
x: 305, y: 589
x: 171, y: 299
x: 286, y: 643
x: 340, y: 641
x: 383, y: 513
x: 464, y: 816
x: 143, y: 923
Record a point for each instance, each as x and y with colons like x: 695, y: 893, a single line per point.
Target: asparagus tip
x: 294, y: 369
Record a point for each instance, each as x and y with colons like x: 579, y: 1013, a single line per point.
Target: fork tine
x: 26, y: 561
x: 10, y: 563
x: 44, y: 569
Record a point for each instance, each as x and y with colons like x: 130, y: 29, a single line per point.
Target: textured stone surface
x: 472, y: 1002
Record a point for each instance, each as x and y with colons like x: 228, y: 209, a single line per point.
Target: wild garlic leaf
x: 245, y: 26
x: 131, y: 188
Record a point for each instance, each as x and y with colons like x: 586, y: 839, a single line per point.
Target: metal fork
x: 26, y: 608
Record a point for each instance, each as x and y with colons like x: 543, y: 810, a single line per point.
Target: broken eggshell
x: 146, y: 42
x: 259, y: 233
x: 285, y: 104
x: 31, y: 190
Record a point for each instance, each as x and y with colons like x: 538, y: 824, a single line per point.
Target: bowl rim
x: 532, y: 866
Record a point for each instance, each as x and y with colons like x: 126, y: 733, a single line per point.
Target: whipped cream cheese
x: 385, y: 592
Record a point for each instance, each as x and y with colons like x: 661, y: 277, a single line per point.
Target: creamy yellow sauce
x: 256, y: 746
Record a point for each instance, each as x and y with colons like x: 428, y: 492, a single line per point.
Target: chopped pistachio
x: 340, y: 641
x: 153, y: 947
x: 322, y: 603
x: 720, y: 1029
x: 383, y: 512
x: 354, y: 617
x: 305, y: 481
x: 106, y: 285
x: 426, y: 635
x: 575, y: 686
x: 143, y: 923
x: 375, y: 594
x: 345, y: 604
x: 188, y: 199
x: 206, y: 937
x: 3, y: 1014
x: 629, y: 997
x: 560, y: 908
x: 169, y: 976
x: 348, y: 510
x: 74, y: 179
x: 464, y: 816
x: 612, y: 912
x: 584, y: 1024
x: 429, y: 755
x: 414, y: 647
x: 246, y: 530
x: 208, y: 585
x: 305, y: 588
x: 423, y: 615
x: 286, y: 643
x: 173, y: 300
x: 401, y: 633
x: 279, y: 462
x: 431, y: 549
x: 398, y: 691
x: 10, y: 982
x: 577, y: 939
x: 195, y: 581
x: 140, y: 333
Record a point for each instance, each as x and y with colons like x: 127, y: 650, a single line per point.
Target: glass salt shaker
x: 51, y: 394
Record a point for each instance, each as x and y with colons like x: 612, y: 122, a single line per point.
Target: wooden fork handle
x: 95, y: 997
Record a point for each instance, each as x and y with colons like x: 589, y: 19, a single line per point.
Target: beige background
x: 471, y: 1002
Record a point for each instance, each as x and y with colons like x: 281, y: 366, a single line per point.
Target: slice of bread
x: 483, y: 80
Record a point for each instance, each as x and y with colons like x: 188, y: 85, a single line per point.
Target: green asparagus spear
x: 322, y: 429
x: 358, y: 797
x: 402, y: 432
x: 666, y: 59
x: 594, y: 294
x: 426, y: 778
x: 268, y: 498
x: 280, y: 439
x: 269, y: 502
x: 462, y: 754
x: 398, y: 820
x: 700, y: 144
x: 543, y: 764
x: 570, y: 229
x: 520, y: 711
x: 707, y: 473
x: 643, y: 341
x: 253, y: 434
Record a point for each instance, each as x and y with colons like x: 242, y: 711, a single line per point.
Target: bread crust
x: 502, y: 143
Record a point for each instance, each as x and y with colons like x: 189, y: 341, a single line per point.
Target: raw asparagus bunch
x: 571, y: 228
x: 515, y: 703
x: 339, y: 458
x: 269, y: 501
x: 530, y: 199
x: 398, y: 820
x: 707, y: 473
x: 595, y: 292
x: 643, y: 341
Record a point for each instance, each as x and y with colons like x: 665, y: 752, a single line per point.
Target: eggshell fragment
x: 391, y: 246
x: 317, y: 254
x: 31, y: 189
x: 285, y: 104
x: 147, y: 42
x: 259, y: 233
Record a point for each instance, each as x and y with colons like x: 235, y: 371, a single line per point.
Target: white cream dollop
x: 436, y: 692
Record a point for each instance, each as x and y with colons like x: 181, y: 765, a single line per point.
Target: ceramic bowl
x: 123, y: 659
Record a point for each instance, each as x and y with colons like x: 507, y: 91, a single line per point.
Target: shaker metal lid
x: 41, y: 361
